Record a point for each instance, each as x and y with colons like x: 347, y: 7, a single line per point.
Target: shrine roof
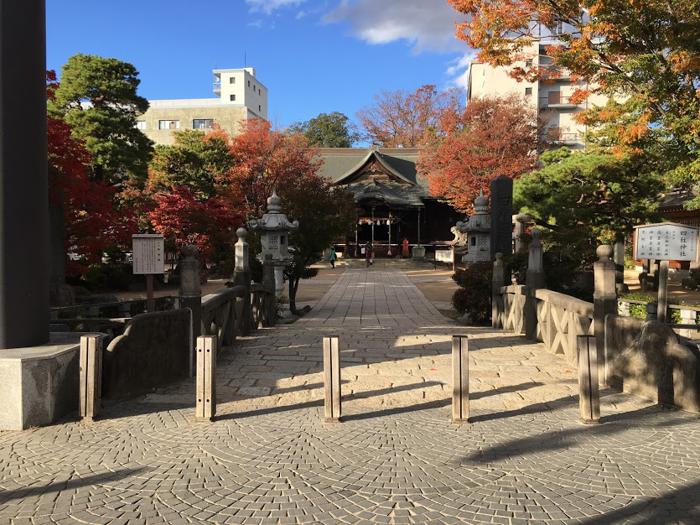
x: 340, y: 164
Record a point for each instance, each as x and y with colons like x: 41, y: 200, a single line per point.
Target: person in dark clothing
x: 369, y: 253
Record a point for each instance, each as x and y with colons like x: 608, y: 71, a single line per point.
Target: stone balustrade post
x: 191, y: 294
x: 604, y: 300
x: 241, y: 277
x: 205, y: 384
x: 332, y: 405
x: 498, y: 281
x: 90, y: 376
x: 534, y: 281
x: 460, y: 379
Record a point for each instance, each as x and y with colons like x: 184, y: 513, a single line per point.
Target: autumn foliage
x: 92, y: 223
x: 401, y: 119
x: 642, y: 54
x: 492, y: 137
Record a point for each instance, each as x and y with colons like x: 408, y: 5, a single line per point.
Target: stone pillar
x: 521, y: 221
x: 502, y: 215
x: 589, y: 391
x: 331, y: 380
x: 619, y: 260
x: 191, y: 293
x: 498, y: 281
x: 534, y: 281
x: 24, y: 203
x: 604, y: 300
x: 205, y: 384
x: 460, y: 379
x: 241, y: 277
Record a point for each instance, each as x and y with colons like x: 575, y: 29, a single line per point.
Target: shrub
x: 108, y: 276
x: 474, y: 295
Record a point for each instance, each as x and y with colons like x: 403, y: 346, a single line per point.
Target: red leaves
x: 183, y: 219
x: 492, y: 137
x: 92, y: 222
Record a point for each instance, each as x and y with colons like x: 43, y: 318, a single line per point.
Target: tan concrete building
x: 551, y: 97
x: 241, y: 96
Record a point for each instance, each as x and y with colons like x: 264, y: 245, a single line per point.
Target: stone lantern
x: 274, y: 228
x: 477, y: 227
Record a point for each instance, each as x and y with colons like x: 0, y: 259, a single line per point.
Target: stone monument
x: 502, y: 215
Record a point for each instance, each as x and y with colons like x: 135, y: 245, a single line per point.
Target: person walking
x: 368, y: 254
x: 332, y: 257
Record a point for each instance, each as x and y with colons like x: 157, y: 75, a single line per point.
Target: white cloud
x: 427, y: 24
x: 268, y: 6
x: 458, y: 70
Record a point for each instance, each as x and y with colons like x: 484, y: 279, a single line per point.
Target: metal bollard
x: 90, y: 376
x: 589, y: 391
x: 331, y: 380
x: 205, y: 407
x: 460, y: 379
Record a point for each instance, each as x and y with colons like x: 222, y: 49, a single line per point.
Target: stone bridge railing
x: 559, y: 317
x: 638, y: 356
x: 560, y: 320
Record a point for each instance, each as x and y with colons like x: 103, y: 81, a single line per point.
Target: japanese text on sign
x: 149, y: 254
x: 666, y: 242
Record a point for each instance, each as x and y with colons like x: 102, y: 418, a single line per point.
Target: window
x: 528, y: 92
x: 168, y: 124
x: 259, y: 108
x: 473, y: 241
x: 232, y: 80
x: 232, y: 98
x: 249, y: 83
x: 203, y: 123
x: 140, y: 124
x: 528, y: 63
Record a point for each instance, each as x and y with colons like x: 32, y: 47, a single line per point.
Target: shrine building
x: 393, y: 202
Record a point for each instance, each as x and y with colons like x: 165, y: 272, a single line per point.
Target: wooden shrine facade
x: 393, y: 203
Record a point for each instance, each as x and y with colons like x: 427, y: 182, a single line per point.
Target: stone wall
x: 647, y: 358
x: 153, y: 351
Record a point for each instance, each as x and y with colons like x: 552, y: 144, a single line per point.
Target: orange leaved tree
x: 490, y: 138
x: 400, y: 119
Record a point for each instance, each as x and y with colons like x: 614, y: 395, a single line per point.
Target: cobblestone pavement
x: 396, y: 458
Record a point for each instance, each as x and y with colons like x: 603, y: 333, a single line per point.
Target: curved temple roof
x: 402, y: 187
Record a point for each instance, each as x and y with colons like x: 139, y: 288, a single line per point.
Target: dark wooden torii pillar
x: 24, y: 238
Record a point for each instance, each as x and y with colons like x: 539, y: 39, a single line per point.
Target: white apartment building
x: 240, y: 97
x: 551, y: 96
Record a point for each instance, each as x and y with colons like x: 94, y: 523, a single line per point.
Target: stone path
x: 396, y: 459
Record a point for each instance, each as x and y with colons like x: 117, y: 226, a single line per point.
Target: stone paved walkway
x: 396, y: 459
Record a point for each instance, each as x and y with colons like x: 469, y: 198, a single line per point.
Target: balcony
x: 567, y: 138
x: 555, y: 100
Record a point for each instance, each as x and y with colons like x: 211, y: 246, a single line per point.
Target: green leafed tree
x: 97, y: 97
x: 325, y: 212
x: 195, y: 160
x: 587, y: 197
x: 328, y: 130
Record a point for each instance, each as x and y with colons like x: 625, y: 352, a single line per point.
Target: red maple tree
x: 92, y: 225
x: 183, y: 219
x: 490, y: 138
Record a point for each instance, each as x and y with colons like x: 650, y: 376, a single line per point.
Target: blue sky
x: 313, y: 55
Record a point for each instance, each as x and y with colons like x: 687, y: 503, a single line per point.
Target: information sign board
x: 149, y: 254
x: 666, y: 241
